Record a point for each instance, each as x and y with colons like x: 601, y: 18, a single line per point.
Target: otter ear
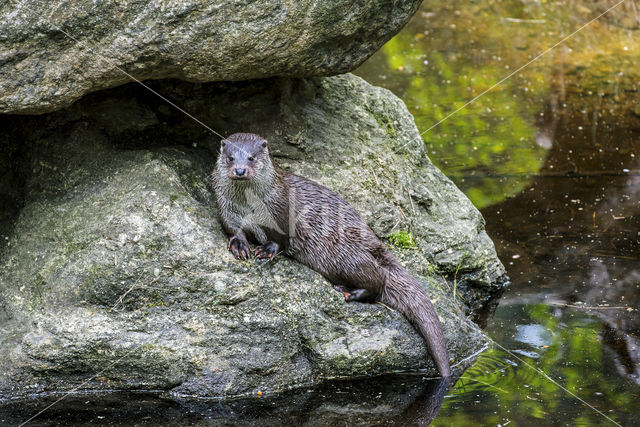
x: 223, y: 143
x: 264, y: 144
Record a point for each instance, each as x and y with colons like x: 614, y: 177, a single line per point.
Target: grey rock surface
x: 54, y: 52
x: 115, y: 273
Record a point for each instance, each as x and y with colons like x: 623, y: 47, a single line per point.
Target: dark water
x: 396, y: 400
x: 551, y: 157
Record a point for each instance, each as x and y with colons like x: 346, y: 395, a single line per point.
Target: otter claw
x: 266, y: 251
x: 239, y: 248
x: 359, y: 294
x: 343, y: 290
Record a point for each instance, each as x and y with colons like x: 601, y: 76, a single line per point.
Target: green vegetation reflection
x: 492, y: 135
x: 453, y: 51
x: 566, y: 345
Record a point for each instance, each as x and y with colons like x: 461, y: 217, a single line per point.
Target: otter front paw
x: 266, y: 251
x: 239, y: 247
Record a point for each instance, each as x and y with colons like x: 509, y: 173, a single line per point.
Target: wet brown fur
x: 314, y: 225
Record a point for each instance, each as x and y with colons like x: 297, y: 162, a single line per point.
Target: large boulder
x: 54, y: 52
x: 116, y: 275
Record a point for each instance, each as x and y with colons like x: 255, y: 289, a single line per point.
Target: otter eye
x: 230, y: 159
x: 251, y: 159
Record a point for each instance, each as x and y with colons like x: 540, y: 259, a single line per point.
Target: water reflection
x: 552, y: 158
x: 572, y: 238
x: 396, y: 400
x: 502, y: 388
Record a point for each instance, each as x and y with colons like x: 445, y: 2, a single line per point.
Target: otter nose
x: 239, y: 172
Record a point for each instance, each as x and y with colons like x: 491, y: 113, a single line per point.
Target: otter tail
x: 403, y: 292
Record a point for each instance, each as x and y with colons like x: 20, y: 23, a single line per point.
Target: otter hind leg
x: 359, y: 294
x: 267, y: 251
x: 344, y: 290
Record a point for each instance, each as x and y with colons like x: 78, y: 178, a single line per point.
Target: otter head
x: 244, y: 155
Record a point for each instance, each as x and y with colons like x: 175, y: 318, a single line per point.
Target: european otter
x: 315, y: 226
